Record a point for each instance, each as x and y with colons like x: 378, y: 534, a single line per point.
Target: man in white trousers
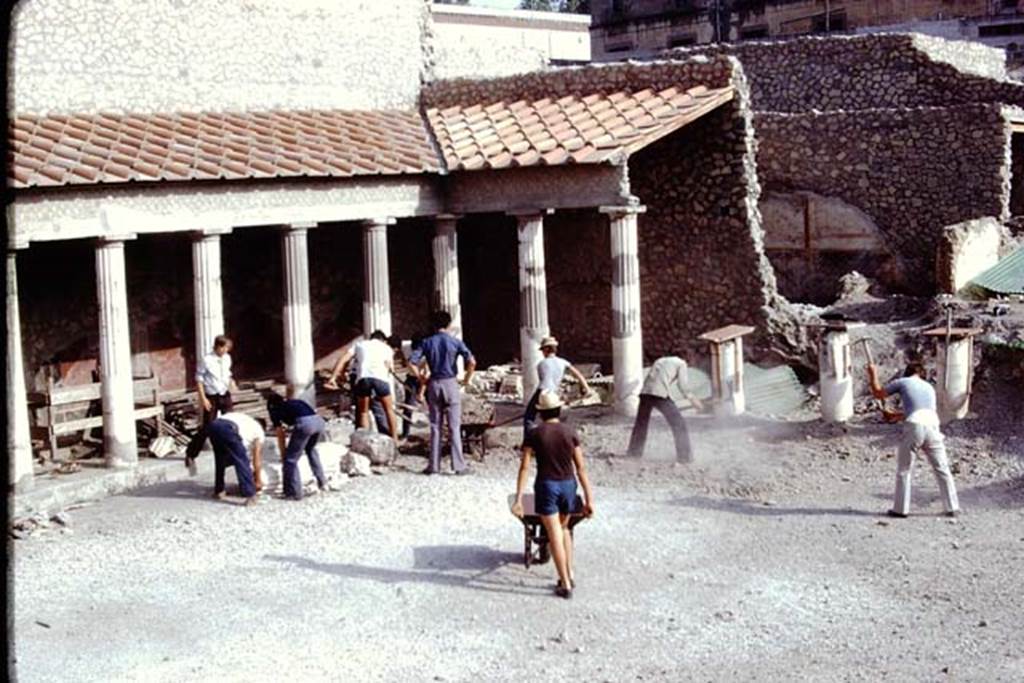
x: 920, y: 431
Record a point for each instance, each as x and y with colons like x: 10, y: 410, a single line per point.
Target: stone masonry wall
x: 867, y: 72
x: 912, y: 171
x: 1017, y: 178
x: 580, y: 81
x: 702, y: 262
x: 201, y: 55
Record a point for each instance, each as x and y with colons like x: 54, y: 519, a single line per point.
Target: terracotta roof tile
x: 113, y: 148
x: 47, y: 151
x: 590, y: 128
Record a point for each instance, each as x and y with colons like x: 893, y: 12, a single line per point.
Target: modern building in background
x: 558, y: 39
x: 622, y: 29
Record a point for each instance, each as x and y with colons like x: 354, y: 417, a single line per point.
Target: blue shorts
x: 554, y: 495
x: 371, y: 387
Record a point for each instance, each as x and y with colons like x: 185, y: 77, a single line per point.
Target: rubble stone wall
x: 867, y: 72
x: 577, y: 251
x: 912, y: 171
x: 581, y: 81
x: 702, y: 262
x: 1017, y: 176
x: 200, y: 55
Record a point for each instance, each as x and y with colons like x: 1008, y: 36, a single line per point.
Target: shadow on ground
x: 752, y: 509
x: 198, y: 488
x: 469, y: 566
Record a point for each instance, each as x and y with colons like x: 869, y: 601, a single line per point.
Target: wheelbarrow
x: 477, y: 418
x: 534, y: 534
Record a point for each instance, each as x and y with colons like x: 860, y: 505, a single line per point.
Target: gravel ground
x: 766, y: 560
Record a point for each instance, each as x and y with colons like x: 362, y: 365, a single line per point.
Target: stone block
x: 967, y: 250
x: 331, y: 457
x: 378, y: 448
x: 339, y: 431
x: 356, y: 465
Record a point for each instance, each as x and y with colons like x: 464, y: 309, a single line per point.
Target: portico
x: 379, y: 188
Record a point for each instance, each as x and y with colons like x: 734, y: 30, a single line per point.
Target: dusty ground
x: 766, y: 560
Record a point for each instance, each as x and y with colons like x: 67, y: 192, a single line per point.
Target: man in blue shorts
x: 920, y: 432
x: 559, y: 463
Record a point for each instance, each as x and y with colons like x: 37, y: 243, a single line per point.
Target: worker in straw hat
x: 550, y: 371
x: 559, y: 463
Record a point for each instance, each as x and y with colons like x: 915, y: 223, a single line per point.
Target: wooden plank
x: 74, y: 394
x: 724, y: 334
x: 80, y: 425
x: 953, y: 331
x: 144, y: 389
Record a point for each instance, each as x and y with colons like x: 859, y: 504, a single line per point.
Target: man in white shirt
x: 550, y: 371
x: 667, y: 374
x: 375, y: 362
x: 235, y: 438
x: 214, y: 381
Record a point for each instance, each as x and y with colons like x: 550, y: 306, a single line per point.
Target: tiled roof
x: 84, y: 150
x: 590, y: 129
x: 106, y: 148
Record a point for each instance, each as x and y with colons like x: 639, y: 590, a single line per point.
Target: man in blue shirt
x: 920, y: 432
x: 436, y: 361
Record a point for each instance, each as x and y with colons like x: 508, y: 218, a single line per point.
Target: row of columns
x: 120, y: 443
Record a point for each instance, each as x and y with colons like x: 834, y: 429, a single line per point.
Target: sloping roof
x: 590, y: 129
x: 98, y: 149
x: 93, y: 149
x: 1005, y: 277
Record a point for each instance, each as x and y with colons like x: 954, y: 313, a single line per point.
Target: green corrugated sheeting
x: 1006, y: 277
x: 772, y: 391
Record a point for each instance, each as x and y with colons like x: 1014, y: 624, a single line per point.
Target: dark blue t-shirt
x: 441, y: 350
x: 290, y: 411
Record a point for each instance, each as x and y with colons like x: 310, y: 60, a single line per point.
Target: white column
x: 533, y: 297
x: 19, y: 443
x: 836, y: 379
x: 954, y: 377
x: 119, y: 439
x: 207, y: 289
x: 377, y: 287
x: 727, y: 364
x: 627, y: 336
x: 297, y: 317
x: 446, y: 270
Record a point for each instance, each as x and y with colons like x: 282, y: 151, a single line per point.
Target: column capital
x: 377, y: 223
x: 448, y: 216
x: 298, y: 225
x: 527, y: 213
x: 207, y: 233
x: 16, y: 242
x: 105, y: 240
x: 623, y: 210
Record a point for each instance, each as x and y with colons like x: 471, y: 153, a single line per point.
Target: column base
x: 628, y: 368
x: 529, y: 349
x: 736, y: 405
x: 836, y: 401
x: 120, y: 454
x: 23, y: 484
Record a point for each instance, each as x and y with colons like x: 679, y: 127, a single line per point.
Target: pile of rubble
x: 504, y: 384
